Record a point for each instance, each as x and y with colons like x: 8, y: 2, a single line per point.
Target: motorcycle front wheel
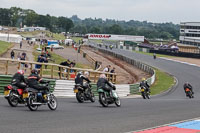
x: 12, y: 99
x: 52, y: 104
x: 117, y: 102
x: 143, y: 95
x: 102, y: 100
x: 30, y: 102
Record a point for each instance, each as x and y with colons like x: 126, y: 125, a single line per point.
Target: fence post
x: 95, y: 77
x: 41, y: 71
x: 52, y: 71
x: 6, y: 67
x: 60, y: 71
x: 68, y: 74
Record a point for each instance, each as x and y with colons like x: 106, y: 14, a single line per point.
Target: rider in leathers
x: 18, y: 80
x: 34, y: 79
x: 80, y: 78
x: 189, y: 86
x: 105, y: 84
x: 145, y: 84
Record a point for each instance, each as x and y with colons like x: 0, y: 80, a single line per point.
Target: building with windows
x: 190, y: 33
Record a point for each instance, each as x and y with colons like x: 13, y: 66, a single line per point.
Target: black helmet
x: 34, y: 71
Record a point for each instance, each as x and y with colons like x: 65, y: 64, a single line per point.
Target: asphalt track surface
x: 134, y: 114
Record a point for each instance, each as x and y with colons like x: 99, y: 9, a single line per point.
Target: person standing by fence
x: 20, y: 44
x: 12, y: 54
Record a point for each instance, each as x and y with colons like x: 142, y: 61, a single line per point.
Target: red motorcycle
x: 15, y: 95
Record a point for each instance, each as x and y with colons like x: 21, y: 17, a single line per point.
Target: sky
x: 158, y: 11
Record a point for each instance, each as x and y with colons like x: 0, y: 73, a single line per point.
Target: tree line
x: 18, y: 17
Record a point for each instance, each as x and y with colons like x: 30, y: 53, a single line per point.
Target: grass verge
x: 162, y: 83
x: 5, y: 46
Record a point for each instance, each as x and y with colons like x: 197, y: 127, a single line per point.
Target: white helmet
x: 86, y: 73
x: 80, y: 72
x: 103, y: 76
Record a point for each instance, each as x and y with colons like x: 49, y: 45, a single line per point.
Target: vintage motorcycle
x: 106, y: 98
x: 83, y: 94
x: 145, y: 94
x: 189, y: 93
x: 15, y: 95
x: 37, y: 98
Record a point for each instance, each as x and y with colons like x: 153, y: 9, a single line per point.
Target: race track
x: 134, y: 114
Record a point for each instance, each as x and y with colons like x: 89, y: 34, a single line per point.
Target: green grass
x: 76, y: 39
x: 5, y: 46
x: 162, y: 83
x: 55, y: 36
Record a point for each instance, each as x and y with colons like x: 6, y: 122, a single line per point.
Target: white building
x: 190, y: 33
x: 11, y: 38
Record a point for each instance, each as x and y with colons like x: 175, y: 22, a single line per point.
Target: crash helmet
x: 143, y: 79
x: 103, y: 76
x: 34, y: 71
x: 80, y: 72
x: 20, y: 72
x: 86, y: 73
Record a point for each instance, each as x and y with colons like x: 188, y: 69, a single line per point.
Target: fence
x: 6, y: 80
x: 49, y: 70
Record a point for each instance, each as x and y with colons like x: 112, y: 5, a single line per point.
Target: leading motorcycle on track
x: 15, y: 95
x: 37, y: 98
x: 145, y: 94
x: 84, y: 94
x: 106, y: 98
x: 189, y: 93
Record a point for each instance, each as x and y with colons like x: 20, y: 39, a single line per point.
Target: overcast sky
x: 175, y: 11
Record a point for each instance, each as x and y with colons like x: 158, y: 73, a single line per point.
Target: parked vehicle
x: 54, y: 46
x: 105, y: 98
x: 84, y: 94
x: 145, y: 94
x: 15, y: 95
x: 37, y: 98
x: 189, y: 93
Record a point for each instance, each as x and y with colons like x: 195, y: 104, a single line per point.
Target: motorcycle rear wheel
x: 92, y: 98
x: 53, y: 102
x: 102, y: 100
x: 12, y: 100
x: 143, y: 95
x: 30, y: 101
x: 80, y: 97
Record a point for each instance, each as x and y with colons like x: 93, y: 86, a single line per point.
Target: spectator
x: 106, y: 69
x: 12, y: 54
x: 24, y: 54
x: 22, y: 58
x: 64, y: 63
x: 20, y: 44
x: 112, y: 71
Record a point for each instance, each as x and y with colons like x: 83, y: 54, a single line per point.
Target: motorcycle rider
x: 18, y: 80
x: 33, y: 81
x: 145, y: 84
x: 105, y: 84
x: 80, y: 78
x: 189, y: 86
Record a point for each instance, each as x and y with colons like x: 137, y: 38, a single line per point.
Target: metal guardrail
x: 50, y: 70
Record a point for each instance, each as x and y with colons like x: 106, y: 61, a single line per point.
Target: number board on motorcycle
x: 142, y: 90
x: 187, y: 89
x: 75, y: 90
x: 6, y: 92
x: 25, y: 95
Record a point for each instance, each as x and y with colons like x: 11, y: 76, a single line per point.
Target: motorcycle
x: 105, y: 98
x: 15, y: 95
x: 84, y: 94
x: 189, y: 93
x: 144, y: 93
x: 37, y: 98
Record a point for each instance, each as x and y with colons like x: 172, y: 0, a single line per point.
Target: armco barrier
x: 6, y: 80
x: 134, y: 87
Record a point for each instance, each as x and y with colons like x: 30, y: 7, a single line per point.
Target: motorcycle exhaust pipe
x: 36, y: 103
